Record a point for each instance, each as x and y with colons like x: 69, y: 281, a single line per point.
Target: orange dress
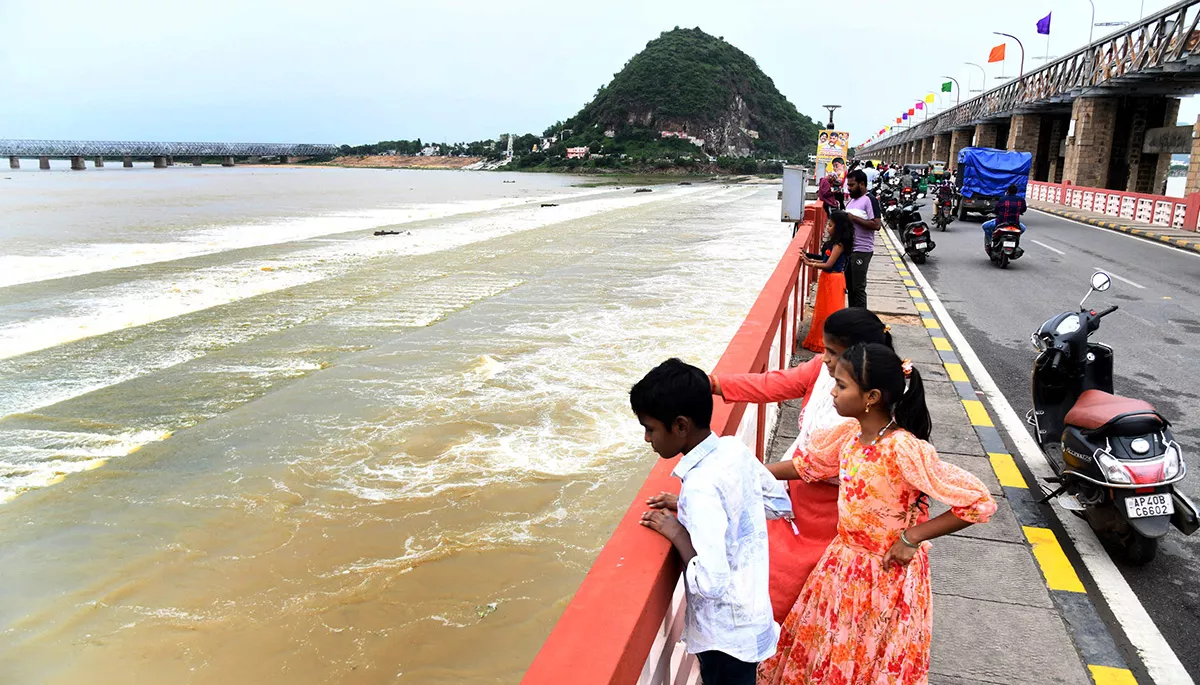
x: 831, y: 296
x: 855, y: 623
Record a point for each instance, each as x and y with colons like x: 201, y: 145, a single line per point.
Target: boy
x: 721, y: 532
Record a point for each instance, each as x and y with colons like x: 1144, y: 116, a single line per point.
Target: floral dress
x: 855, y: 623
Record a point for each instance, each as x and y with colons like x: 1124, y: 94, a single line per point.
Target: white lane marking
x: 1048, y: 247
x: 1119, y: 278
x: 1161, y: 662
x: 1109, y: 231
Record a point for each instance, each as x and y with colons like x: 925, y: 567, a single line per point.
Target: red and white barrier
x: 1152, y: 210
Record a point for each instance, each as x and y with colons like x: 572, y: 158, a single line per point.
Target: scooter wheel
x: 1139, y: 550
x: 919, y: 258
x: 1003, y: 260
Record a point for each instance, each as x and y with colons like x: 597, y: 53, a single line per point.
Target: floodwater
x: 245, y: 440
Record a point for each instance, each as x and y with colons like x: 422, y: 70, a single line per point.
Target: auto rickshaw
x: 938, y: 172
x: 921, y: 173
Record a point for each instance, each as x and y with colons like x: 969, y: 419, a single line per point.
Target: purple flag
x: 1043, y: 25
x: 904, y: 116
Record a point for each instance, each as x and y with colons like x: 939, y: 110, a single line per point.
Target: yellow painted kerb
x: 977, y: 414
x: 915, y: 293
x: 1007, y: 471
x: 1107, y: 675
x: 956, y: 373
x: 931, y: 323
x: 943, y: 345
x: 910, y: 283
x: 1057, y: 569
x: 922, y: 307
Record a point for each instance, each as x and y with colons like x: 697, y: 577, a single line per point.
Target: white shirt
x: 872, y: 174
x: 721, y: 505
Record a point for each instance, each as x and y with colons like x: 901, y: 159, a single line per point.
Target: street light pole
x: 1020, y: 44
x: 982, y: 71
x: 959, y: 91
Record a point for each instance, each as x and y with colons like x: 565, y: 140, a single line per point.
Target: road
x: 1156, y: 335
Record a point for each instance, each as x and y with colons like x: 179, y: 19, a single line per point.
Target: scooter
x: 1004, y: 246
x: 1114, y: 458
x: 916, y: 236
x: 942, y: 214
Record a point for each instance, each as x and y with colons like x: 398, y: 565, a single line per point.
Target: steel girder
x: 98, y: 148
x: 1162, y: 47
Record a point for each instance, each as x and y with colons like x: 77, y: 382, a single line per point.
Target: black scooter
x: 1115, y: 459
x: 915, y: 235
x: 1005, y: 245
x: 943, y: 204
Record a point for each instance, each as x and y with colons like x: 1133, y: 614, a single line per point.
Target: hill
x: 701, y: 89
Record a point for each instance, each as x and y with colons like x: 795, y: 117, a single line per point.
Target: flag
x: 904, y: 116
x: 946, y: 87
x: 1043, y: 25
x: 920, y: 105
x: 898, y: 118
x: 997, y: 54
x: 930, y: 98
x: 911, y: 111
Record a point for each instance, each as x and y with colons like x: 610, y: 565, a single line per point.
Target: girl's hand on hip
x: 899, y: 556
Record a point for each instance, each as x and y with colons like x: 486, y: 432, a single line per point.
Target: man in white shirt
x: 721, y: 531
x: 872, y: 174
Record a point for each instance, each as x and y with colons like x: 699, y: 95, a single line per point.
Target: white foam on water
x: 137, y: 303
x: 36, y: 458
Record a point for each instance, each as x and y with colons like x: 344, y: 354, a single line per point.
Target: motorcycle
x: 916, y: 235
x: 942, y: 213
x: 908, y: 196
x: 1114, y: 458
x: 1004, y: 246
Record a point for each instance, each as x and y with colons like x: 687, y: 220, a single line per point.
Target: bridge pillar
x: 196, y: 161
x: 170, y: 160
x: 43, y: 162
x: 1136, y: 171
x: 283, y: 159
x: 127, y: 161
x: 959, y: 138
x: 99, y: 162
x: 941, y: 147
x: 1024, y: 135
x: 1089, y: 149
x: 77, y: 163
x: 160, y: 161
x: 14, y: 162
x: 987, y: 135
x: 1056, y: 150
x: 1193, y: 177
x: 227, y: 161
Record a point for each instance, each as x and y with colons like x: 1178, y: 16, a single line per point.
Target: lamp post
x: 1020, y: 44
x: 981, y: 71
x: 958, y: 92
x: 831, y: 109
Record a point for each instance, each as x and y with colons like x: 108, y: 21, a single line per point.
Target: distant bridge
x: 1102, y: 116
x: 163, y: 153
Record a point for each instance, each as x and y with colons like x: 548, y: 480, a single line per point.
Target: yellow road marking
x: 931, y: 323
x: 922, y: 307
x: 1107, y: 675
x: 956, y: 372
x: 977, y: 414
x: 943, y: 344
x: 904, y: 273
x: 1057, y: 569
x: 1007, y: 471
x: 910, y: 283
x: 914, y: 293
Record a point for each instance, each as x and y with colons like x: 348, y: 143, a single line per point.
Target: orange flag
x: 997, y: 54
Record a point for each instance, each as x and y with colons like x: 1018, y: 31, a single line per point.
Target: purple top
x: 864, y: 239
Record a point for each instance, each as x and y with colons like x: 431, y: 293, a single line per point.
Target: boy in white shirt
x: 721, y: 529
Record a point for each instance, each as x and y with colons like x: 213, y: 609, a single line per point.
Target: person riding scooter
x: 1008, y: 213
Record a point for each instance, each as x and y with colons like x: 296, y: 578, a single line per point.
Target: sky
x: 359, y: 71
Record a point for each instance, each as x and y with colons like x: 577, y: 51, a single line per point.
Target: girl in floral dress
x: 863, y: 617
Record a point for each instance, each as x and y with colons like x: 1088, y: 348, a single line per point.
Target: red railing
x: 624, y: 622
x: 1153, y: 210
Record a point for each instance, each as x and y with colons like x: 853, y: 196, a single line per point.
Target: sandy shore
x: 404, y: 162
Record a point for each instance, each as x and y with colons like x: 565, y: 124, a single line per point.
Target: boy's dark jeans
x: 856, y: 278
x: 718, y: 668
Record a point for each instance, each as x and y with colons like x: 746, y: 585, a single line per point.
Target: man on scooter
x: 1008, y: 213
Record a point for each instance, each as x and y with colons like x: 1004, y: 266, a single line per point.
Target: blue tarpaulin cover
x: 988, y: 171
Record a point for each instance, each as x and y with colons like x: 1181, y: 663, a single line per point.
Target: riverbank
x: 402, y: 162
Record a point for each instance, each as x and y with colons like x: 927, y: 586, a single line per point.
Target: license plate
x: 1010, y: 243
x: 1142, y: 506
x: 922, y: 246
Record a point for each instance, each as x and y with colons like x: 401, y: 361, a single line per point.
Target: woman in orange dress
x: 863, y: 617
x: 831, y: 285
x: 797, y: 544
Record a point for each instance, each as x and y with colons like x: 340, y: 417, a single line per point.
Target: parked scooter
x: 1115, y: 459
x: 1004, y: 246
x: 915, y: 235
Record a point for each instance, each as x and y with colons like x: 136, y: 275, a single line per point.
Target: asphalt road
x: 1155, y: 335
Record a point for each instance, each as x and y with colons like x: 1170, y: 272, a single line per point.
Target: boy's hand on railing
x: 663, y: 500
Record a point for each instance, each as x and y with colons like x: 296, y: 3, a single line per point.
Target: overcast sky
x: 355, y: 71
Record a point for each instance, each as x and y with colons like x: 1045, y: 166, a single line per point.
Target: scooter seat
x: 1096, y: 410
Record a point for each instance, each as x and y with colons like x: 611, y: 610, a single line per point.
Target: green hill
x: 688, y: 82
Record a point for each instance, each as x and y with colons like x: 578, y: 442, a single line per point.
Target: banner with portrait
x: 832, y: 147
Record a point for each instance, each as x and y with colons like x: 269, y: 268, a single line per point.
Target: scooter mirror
x: 1101, y: 281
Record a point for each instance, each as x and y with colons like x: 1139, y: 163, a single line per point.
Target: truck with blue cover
x: 984, y: 175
